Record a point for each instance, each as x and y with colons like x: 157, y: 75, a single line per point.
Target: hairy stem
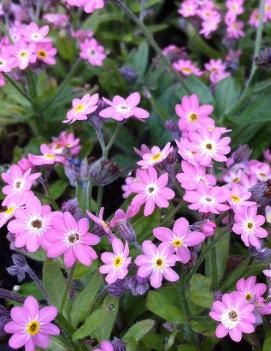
x: 17, y: 87
x: 112, y: 140
x: 67, y: 288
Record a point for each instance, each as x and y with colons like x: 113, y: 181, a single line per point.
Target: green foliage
x: 54, y: 281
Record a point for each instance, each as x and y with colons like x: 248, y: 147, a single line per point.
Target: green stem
x: 67, y: 288
x: 189, y: 334
x: 171, y: 215
x: 63, y: 84
x: 214, y: 267
x: 112, y: 140
x: 99, y: 198
x: 258, y: 42
x: 150, y: 40
x: 31, y: 83
x: 6, y: 32
x: 17, y: 87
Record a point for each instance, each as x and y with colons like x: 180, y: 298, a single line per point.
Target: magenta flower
x: 151, y: 190
x: 179, y: 239
x: 18, y: 182
x: 31, y: 326
x: 81, y: 108
x: 47, y: 158
x: 207, y: 199
x: 101, y: 223
x: 235, y: 316
x: 248, y: 225
x: 24, y: 53
x: 192, y: 114
x: 238, y: 197
x: 251, y: 290
x: 121, y: 109
x: 92, y: 5
x: 155, y: 156
x: 156, y: 263
x: 7, y: 62
x: 11, y: 205
x: 46, y: 53
x: 208, y: 145
x: 192, y: 176
x: 186, y: 68
x: 71, y: 239
x: 59, y: 20
x: 31, y: 224
x: 217, y: 70
x: 105, y: 346
x: 93, y: 52
x: 33, y: 33
x: 116, y: 263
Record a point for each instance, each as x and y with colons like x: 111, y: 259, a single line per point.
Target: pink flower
x: 11, y: 205
x: 261, y: 170
x: 33, y: 33
x: 192, y: 114
x: 101, y: 223
x: 72, y: 239
x: 238, y: 197
x: 81, y: 108
x: 186, y: 67
x: 208, y: 145
x: 92, y: 5
x: 179, y: 239
x: 155, y: 156
x: 251, y: 290
x: 156, y: 263
x: 193, y: 175
x: 121, y: 109
x: 235, y: 7
x: 207, y: 199
x: 151, y: 190
x: 7, y: 62
x: 235, y: 29
x: 116, y: 263
x: 31, y: 326
x: 235, y: 316
x: 31, y: 224
x: 47, y: 158
x: 105, y: 346
x: 248, y: 225
x: 267, y: 272
x: 59, y: 20
x: 188, y: 8
x: 210, y: 24
x: 67, y: 141
x: 208, y: 228
x: 18, y: 183
x: 92, y: 51
x: 24, y: 53
x: 46, y: 53
x: 254, y: 18
x: 217, y: 70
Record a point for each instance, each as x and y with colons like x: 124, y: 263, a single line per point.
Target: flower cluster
x: 89, y: 6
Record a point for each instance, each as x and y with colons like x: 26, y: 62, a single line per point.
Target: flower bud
x: 116, y: 289
x: 103, y: 172
x: 208, y: 228
x: 73, y: 207
x: 118, y: 344
x: 138, y: 286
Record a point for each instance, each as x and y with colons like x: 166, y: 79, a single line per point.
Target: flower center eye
x: 151, y: 189
x: 209, y: 146
x: 263, y: 175
x: 1, y: 63
x: 159, y: 263
x: 236, y: 180
x: 235, y: 198
x: 233, y: 316
x: 248, y: 296
x: 193, y: 117
x: 209, y: 199
x: 250, y: 225
x: 23, y: 54
x: 10, y: 210
x: 50, y: 156
x: 42, y: 54
x: 156, y: 157
x: 33, y: 328
x: 79, y: 108
x: 118, y: 262
x: 18, y: 184
x: 37, y: 223
x: 177, y: 243
x: 186, y: 70
x: 91, y: 52
x: 73, y: 238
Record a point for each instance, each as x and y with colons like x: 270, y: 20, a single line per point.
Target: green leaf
x: 204, y: 325
x: 143, y: 226
x: 138, y: 59
x: 84, y: 300
x: 200, y: 290
x: 57, y: 344
x: 267, y: 344
x: 53, y: 281
x: 230, y: 281
x: 100, y: 323
x: 139, y: 330
x: 198, y: 87
x: 165, y: 303
x: 187, y: 347
x: 227, y: 93
x: 58, y: 188
x: 27, y: 289
x: 153, y: 341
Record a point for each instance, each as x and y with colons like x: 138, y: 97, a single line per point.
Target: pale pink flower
x: 151, y: 190
x: 155, y: 156
x: 67, y: 141
x: 19, y: 183
x: 33, y: 33
x: 210, y: 25
x: 7, y: 62
x: 186, y: 67
x: 156, y: 263
x: 235, y: 316
x: 193, y: 175
x: 261, y: 170
x: 71, y: 238
x: 116, y: 263
x: 92, y: 5
x: 24, y: 53
x: 11, y: 205
x: 92, y: 51
x: 46, y: 53
x: 207, y: 199
x: 185, y: 150
x: 248, y: 225
x: 126, y: 187
x: 238, y: 197
x: 47, y: 158
x: 188, y: 8
x: 254, y: 18
x: 217, y: 70
x: 179, y: 239
x: 31, y: 224
x: 31, y: 326
x: 101, y: 223
x: 251, y: 290
x: 81, y: 108
x: 209, y: 145
x: 121, y: 109
x: 192, y: 114
x: 59, y: 20
x: 235, y: 8
x: 267, y: 272
x: 235, y: 29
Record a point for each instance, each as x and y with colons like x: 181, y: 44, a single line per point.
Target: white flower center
x: 72, y: 238
x: 151, y: 190
x: 230, y: 318
x: 36, y: 225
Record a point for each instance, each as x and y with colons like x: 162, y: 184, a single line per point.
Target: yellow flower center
x: 177, y: 243
x: 159, y: 262
x: 236, y: 180
x: 249, y: 296
x: 118, y: 262
x: 193, y: 117
x: 42, y: 54
x: 10, y: 210
x: 23, y: 54
x: 156, y: 157
x: 79, y: 108
x: 33, y: 328
x: 186, y: 70
x: 250, y: 225
x: 235, y: 198
x: 50, y: 156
